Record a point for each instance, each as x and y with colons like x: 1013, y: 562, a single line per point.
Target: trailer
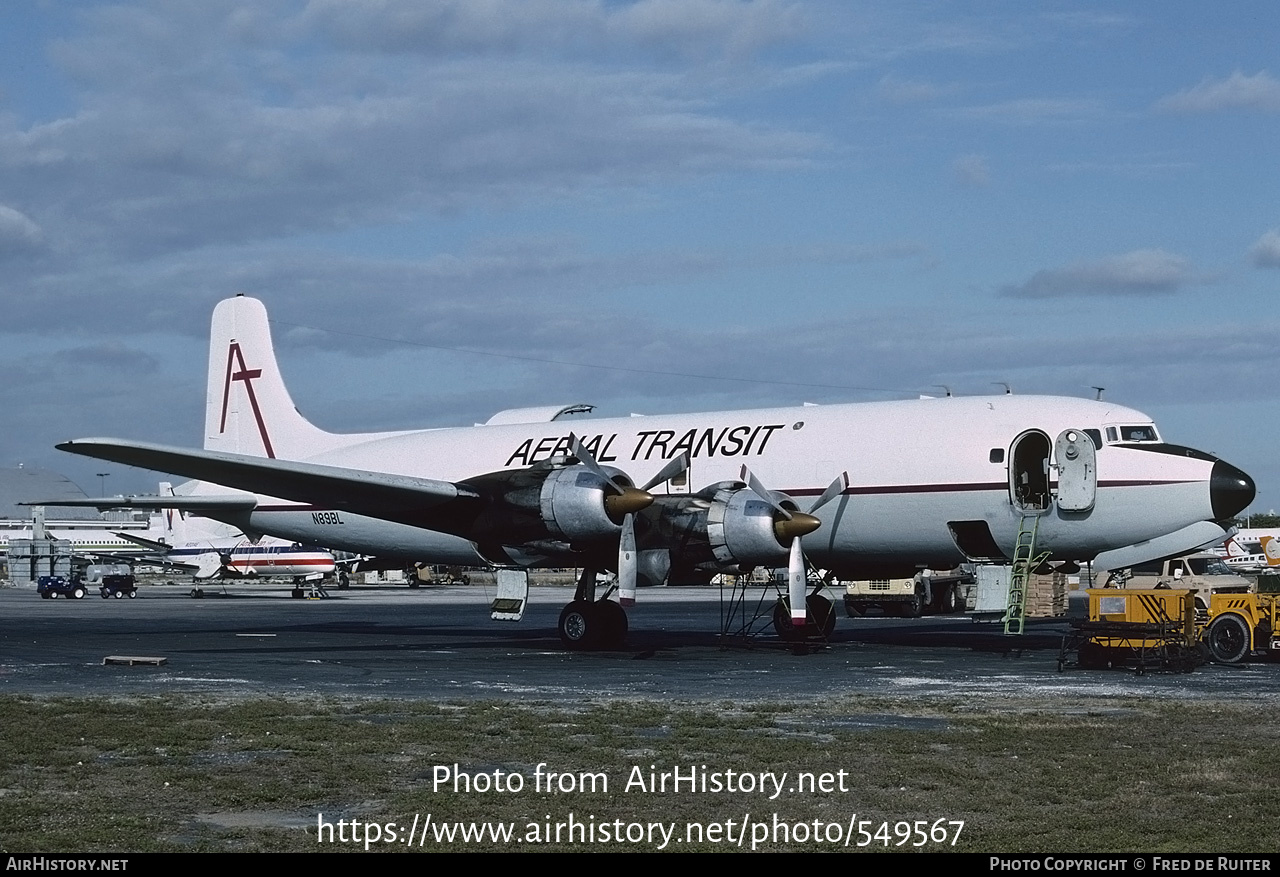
x: 1145, y: 629
x: 118, y: 585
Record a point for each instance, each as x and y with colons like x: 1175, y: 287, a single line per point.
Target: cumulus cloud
x: 1237, y: 92
x: 1266, y: 252
x: 1138, y: 273
x: 208, y: 123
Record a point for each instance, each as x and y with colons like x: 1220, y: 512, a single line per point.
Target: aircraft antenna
x: 1008, y: 390
x: 1099, y: 396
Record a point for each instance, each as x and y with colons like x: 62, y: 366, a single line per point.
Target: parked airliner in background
x: 206, y: 548
x: 88, y: 537
x: 867, y: 490
x: 1253, y: 551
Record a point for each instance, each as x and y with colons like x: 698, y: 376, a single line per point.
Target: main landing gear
x: 588, y: 623
x: 819, y: 625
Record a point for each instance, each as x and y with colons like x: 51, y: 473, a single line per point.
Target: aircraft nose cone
x: 1230, y: 491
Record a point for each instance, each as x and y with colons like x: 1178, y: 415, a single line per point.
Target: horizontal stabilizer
x: 159, y: 547
x: 1184, y: 541
x: 331, y: 487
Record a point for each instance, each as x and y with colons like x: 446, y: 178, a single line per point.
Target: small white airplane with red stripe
x: 865, y: 490
x: 207, y: 548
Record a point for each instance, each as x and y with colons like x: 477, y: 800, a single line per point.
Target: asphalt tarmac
x: 438, y: 642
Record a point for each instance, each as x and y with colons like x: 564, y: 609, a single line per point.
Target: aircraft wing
x: 391, y: 497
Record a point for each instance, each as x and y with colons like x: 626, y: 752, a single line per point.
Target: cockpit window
x: 1145, y: 433
x: 1095, y: 436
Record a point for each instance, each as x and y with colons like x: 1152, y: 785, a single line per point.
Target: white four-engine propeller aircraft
x: 865, y: 490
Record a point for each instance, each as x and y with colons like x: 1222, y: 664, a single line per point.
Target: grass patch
x: 182, y: 774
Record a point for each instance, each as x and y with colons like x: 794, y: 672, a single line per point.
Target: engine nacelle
x: 547, y: 503
x: 725, y: 528
x: 740, y: 528
x: 572, y: 503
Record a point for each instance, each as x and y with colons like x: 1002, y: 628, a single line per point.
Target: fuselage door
x: 1077, y: 471
x: 1029, y: 472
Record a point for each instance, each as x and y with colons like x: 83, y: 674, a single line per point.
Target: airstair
x: 1025, y: 560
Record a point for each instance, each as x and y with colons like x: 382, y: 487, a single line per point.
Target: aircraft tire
x: 579, y: 626
x: 821, y: 623
x: 951, y: 602
x: 613, y: 623
x: 822, y: 613
x: 1228, y: 638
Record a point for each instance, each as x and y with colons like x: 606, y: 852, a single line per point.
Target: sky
x: 451, y: 207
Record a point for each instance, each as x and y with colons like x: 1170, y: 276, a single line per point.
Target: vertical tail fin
x: 171, y: 520
x: 247, y: 407
x: 1271, y: 548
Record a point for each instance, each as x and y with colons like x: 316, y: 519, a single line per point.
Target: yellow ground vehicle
x: 1240, y: 625
x: 1143, y: 627
x: 1163, y: 627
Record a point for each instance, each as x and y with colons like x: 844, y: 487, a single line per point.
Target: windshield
x: 1145, y: 432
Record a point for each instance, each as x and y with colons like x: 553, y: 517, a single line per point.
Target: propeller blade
x: 669, y: 471
x: 796, y: 584
x: 763, y: 492
x: 627, y: 562
x: 834, y: 489
x: 588, y: 459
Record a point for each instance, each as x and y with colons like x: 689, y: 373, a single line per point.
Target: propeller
x: 789, y: 525
x: 626, y: 500
x: 628, y: 565
x: 622, y: 507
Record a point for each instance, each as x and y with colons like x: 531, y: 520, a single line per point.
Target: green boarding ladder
x: 1024, y: 561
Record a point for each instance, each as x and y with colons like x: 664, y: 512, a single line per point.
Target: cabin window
x: 997, y: 455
